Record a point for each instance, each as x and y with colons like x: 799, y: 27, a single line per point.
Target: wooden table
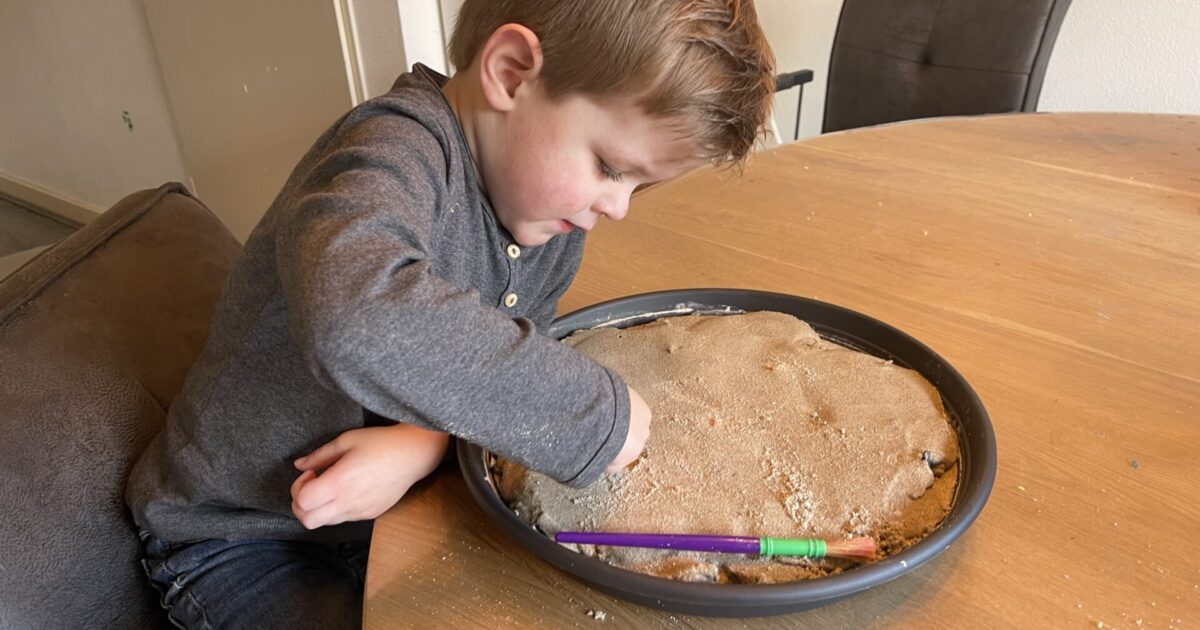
x: 1054, y: 259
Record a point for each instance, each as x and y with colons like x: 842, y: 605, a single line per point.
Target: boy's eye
x: 609, y: 171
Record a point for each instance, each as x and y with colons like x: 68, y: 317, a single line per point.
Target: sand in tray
x: 761, y: 428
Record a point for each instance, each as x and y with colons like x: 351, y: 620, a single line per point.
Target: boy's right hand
x: 639, y: 431
x: 363, y: 472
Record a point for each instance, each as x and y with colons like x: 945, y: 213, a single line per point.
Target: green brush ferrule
x: 807, y: 547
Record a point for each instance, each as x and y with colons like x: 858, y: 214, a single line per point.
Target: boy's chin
x: 535, y: 241
x: 534, y: 235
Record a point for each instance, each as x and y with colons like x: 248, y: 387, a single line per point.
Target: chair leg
x: 799, y: 102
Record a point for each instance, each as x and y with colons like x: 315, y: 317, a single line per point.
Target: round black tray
x: 977, y: 463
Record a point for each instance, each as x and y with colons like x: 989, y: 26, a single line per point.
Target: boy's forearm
x: 429, y: 353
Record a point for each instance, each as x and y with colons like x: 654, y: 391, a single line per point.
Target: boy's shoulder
x: 417, y: 93
x: 413, y: 116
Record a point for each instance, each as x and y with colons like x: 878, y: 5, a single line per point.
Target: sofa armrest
x: 97, y: 333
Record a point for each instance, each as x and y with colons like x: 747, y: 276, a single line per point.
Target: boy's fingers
x: 323, y: 457
x: 307, y: 519
x: 301, y: 515
x: 304, y: 478
x: 316, y: 516
x: 320, y: 490
x: 327, y: 514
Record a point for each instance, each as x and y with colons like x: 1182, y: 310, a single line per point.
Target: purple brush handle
x: 689, y: 542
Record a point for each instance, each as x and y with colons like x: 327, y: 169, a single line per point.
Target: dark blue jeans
x: 217, y: 584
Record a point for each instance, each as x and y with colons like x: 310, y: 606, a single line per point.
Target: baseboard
x: 14, y: 261
x: 39, y: 199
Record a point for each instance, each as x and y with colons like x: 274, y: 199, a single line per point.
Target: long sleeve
x: 373, y: 320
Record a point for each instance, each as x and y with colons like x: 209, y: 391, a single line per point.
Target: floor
x: 21, y: 229
x: 24, y: 233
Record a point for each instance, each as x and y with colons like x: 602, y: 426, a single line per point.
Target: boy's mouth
x: 567, y: 226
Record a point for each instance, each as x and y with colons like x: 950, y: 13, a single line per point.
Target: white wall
x: 801, y: 34
x: 1117, y: 55
x: 392, y: 35
x: 449, y: 16
x: 424, y: 38
x: 68, y: 72
x: 376, y: 27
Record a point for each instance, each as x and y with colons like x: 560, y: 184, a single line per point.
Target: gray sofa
x: 96, y: 335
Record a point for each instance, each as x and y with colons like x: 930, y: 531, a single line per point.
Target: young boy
x: 390, y: 296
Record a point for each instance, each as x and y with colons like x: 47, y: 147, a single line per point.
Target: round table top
x: 1053, y: 259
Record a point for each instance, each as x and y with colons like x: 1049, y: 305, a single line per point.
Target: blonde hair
x: 704, y: 64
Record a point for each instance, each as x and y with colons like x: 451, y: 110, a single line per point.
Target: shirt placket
x: 510, y: 298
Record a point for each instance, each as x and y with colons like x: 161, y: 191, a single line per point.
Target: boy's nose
x: 614, y: 206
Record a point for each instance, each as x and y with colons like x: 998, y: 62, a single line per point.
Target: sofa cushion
x: 96, y: 335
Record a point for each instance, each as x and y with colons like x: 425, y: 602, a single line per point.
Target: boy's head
x: 703, y: 62
x: 665, y: 84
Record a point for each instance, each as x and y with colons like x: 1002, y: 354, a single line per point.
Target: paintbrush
x: 854, y: 548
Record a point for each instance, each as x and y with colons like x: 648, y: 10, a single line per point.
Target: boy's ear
x: 511, y: 59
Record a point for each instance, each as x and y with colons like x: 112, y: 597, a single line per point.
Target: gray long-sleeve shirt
x: 377, y: 280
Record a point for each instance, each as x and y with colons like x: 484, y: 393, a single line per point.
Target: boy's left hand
x: 363, y: 472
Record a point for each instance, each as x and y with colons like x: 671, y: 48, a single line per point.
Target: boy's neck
x: 463, y: 94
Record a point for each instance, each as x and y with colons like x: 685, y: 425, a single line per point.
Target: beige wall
x: 251, y: 85
x: 69, y: 71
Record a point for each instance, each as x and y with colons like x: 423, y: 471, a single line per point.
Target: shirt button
x: 514, y: 252
x: 510, y: 300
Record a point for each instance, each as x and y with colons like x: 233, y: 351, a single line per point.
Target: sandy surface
x: 760, y: 428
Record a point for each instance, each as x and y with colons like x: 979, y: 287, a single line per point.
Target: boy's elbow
x: 323, y: 348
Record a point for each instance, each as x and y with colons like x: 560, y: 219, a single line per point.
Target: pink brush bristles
x: 856, y: 548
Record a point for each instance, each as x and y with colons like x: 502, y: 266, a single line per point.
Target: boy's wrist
x: 613, y: 441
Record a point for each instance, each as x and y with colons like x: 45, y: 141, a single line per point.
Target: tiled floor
x: 21, y: 229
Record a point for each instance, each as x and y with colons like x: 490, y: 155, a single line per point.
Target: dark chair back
x: 903, y: 59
